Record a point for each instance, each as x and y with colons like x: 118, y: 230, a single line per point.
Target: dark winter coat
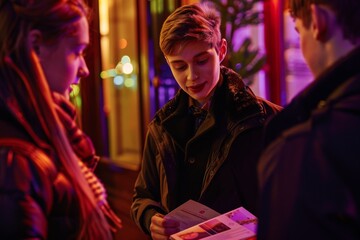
x: 229, y: 140
x: 37, y: 200
x: 310, y: 171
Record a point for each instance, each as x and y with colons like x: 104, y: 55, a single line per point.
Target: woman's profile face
x: 64, y: 63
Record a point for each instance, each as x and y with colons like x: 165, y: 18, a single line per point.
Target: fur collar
x: 231, y: 94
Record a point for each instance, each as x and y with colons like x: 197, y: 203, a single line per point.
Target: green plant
x: 237, y: 14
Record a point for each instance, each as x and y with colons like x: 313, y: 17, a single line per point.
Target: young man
x: 310, y: 171
x: 204, y: 144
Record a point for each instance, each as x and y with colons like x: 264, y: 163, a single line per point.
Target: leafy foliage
x: 237, y: 14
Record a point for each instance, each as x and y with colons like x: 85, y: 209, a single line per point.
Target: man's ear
x: 34, y: 40
x: 320, y: 22
x: 223, y: 49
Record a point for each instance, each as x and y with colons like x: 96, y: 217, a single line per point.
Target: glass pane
x: 120, y: 74
x: 297, y: 73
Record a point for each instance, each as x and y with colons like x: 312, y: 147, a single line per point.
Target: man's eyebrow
x: 201, y: 53
x: 195, y: 56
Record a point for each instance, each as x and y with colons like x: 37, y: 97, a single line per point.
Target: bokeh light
x: 125, y: 59
x: 75, y: 90
x: 129, y: 82
x: 127, y: 68
x: 119, y: 80
x: 122, y: 43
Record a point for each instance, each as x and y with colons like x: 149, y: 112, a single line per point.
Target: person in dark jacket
x: 47, y: 187
x: 309, y: 172
x: 205, y: 142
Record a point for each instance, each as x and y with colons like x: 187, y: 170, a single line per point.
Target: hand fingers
x: 162, y: 228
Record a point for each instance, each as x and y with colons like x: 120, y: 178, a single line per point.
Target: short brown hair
x: 347, y: 11
x: 194, y: 22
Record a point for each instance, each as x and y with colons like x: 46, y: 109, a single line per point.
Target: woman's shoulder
x: 17, y: 145
x: 27, y: 173
x: 23, y: 157
x: 31, y: 184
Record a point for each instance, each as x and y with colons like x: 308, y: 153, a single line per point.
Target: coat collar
x: 232, y: 95
x: 240, y: 102
x: 320, y: 91
x: 232, y: 100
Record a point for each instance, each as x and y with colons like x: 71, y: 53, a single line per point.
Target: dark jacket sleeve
x: 25, y: 196
x: 146, y: 199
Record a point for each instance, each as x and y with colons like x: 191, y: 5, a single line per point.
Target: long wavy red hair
x: 24, y: 91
